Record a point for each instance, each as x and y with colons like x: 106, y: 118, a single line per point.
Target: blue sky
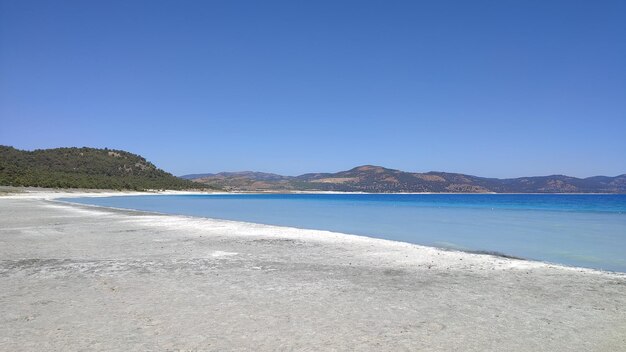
x: 491, y: 88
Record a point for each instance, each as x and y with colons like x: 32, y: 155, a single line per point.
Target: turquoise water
x: 577, y: 230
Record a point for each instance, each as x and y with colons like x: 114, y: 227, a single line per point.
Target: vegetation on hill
x: 84, y: 168
x: 378, y: 179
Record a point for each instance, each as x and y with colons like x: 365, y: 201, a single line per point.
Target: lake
x: 577, y: 230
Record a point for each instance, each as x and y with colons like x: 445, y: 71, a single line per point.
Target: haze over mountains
x: 376, y: 179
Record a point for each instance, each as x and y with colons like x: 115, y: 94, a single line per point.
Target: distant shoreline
x: 12, y: 190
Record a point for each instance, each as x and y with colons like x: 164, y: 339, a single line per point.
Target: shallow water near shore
x: 576, y: 230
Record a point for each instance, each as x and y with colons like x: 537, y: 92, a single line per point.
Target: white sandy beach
x: 86, y: 278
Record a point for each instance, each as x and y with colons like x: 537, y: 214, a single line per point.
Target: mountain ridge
x: 378, y: 179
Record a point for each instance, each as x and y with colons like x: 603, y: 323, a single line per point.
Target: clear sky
x: 491, y: 88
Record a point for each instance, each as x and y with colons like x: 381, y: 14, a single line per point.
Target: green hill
x: 84, y: 168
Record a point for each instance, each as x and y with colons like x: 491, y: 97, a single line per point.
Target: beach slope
x: 85, y: 278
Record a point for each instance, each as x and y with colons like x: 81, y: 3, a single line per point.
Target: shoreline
x: 486, y: 252
x: 55, y: 197
x: 378, y: 240
x: 95, y: 192
x: 85, y: 277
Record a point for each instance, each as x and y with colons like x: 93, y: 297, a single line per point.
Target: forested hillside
x: 84, y: 168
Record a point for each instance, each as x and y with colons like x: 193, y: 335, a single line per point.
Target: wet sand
x: 84, y: 278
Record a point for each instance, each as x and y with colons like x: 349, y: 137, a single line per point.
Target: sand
x: 86, y: 278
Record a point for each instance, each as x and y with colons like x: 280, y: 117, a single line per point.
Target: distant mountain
x: 376, y: 179
x: 261, y: 176
x: 195, y: 176
x: 244, y: 180
x: 84, y: 168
